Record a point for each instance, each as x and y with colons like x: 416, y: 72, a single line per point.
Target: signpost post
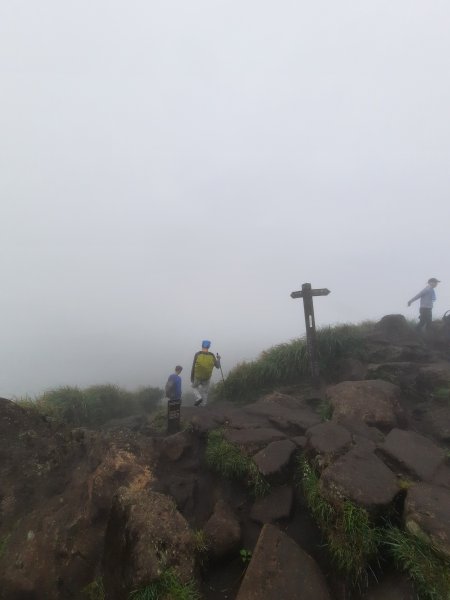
x: 307, y: 294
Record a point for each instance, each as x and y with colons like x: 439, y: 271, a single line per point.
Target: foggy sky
x: 171, y: 171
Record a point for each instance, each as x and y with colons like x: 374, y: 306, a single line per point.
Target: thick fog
x: 171, y: 171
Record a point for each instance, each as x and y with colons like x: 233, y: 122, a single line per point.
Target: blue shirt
x: 176, y: 380
x: 427, y: 297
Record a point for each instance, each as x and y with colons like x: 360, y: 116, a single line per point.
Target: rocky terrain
x: 102, y: 514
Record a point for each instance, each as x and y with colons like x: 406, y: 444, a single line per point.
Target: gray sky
x: 171, y: 170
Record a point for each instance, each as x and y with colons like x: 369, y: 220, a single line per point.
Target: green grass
x: 228, y: 460
x: 167, y: 587
x: 4, y: 541
x: 353, y: 541
x: 201, y: 547
x: 94, y: 591
x: 428, y: 569
x: 289, y: 363
x: 94, y: 405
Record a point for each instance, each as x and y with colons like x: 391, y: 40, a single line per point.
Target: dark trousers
x: 425, y: 318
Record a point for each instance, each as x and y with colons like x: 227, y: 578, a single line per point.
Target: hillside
x: 277, y: 490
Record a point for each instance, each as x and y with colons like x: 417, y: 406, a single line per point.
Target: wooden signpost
x: 307, y: 294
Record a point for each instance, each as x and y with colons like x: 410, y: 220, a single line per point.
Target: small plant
x: 159, y: 419
x: 226, y: 458
x: 246, y: 555
x: 4, y: 541
x: 325, y: 410
x: 352, y: 539
x: 168, y: 586
x: 94, y: 591
x: 429, y: 570
x: 201, y: 546
x: 442, y: 393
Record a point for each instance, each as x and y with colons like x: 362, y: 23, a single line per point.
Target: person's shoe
x: 198, y: 402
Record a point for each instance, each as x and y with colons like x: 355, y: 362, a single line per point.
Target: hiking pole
x: 220, y: 367
x: 223, y: 378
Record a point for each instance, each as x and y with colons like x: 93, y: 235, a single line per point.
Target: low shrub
x: 353, y: 541
x: 289, y: 363
x: 92, y: 406
x: 428, y: 569
x: 227, y: 459
x: 168, y: 585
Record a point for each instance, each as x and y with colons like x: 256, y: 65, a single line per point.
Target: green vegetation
x: 167, y: 587
x: 325, y: 410
x: 201, y: 546
x: 288, y: 363
x: 4, y: 541
x: 428, y: 569
x: 94, y: 591
x: 352, y: 539
x: 246, y: 555
x: 228, y: 460
x: 94, y: 405
x: 442, y: 393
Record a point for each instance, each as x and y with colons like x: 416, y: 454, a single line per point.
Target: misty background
x: 171, y: 171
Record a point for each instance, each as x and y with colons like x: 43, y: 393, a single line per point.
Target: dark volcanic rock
x: 329, y: 439
x: 361, y: 477
x: 223, y: 532
x: 402, y: 373
x: 252, y: 440
x: 427, y: 514
x: 434, y: 376
x: 287, y: 413
x: 174, y: 446
x: 281, y: 569
x: 277, y: 505
x: 375, y: 402
x: 142, y: 527
x: 392, y: 587
x: 412, y: 453
x: 438, y: 421
x: 273, y: 461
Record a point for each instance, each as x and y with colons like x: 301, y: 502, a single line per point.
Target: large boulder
x: 274, y: 460
x: 288, y: 413
x: 252, y: 440
x: 412, y: 454
x: 329, y: 440
x: 393, y: 339
x: 427, y: 515
x: 275, y: 506
x: 279, y: 568
x: 145, y: 536
x: 362, y: 478
x: 375, y: 402
x: 434, y: 376
x: 223, y: 531
x: 437, y: 418
x: 401, y: 373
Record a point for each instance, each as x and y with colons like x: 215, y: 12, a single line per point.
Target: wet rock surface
x: 281, y: 569
x: 126, y: 500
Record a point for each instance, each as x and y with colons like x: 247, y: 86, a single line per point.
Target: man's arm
x: 193, y: 367
x: 417, y: 296
x: 217, y: 361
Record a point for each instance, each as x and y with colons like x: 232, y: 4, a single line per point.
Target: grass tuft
x: 94, y: 591
x: 352, y: 539
x: 289, y: 363
x: 227, y: 459
x: 167, y: 587
x: 428, y: 569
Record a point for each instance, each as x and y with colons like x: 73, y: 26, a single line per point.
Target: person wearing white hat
x: 427, y: 298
